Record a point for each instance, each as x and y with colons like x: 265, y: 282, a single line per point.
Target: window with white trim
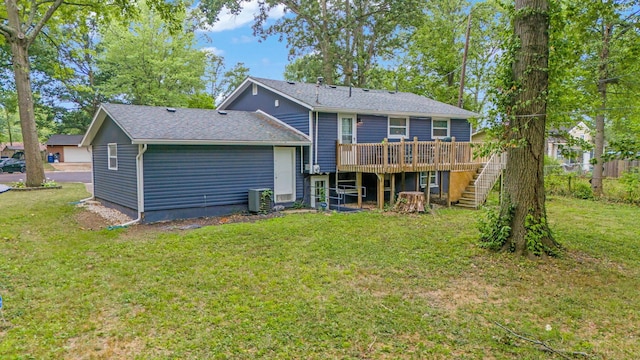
x: 112, y: 156
x: 398, y: 128
x: 433, y: 179
x: 254, y: 89
x: 440, y: 128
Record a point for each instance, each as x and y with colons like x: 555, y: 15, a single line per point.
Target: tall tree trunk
x: 6, y: 111
x: 524, y: 197
x: 35, y: 167
x: 603, y: 79
x: 326, y: 47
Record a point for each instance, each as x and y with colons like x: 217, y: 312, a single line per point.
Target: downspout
x: 140, y: 183
x: 316, y: 142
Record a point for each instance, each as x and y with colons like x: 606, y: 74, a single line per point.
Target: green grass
x: 304, y: 286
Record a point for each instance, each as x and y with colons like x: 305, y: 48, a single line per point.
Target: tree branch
x: 7, y: 31
x: 543, y: 344
x: 56, y: 4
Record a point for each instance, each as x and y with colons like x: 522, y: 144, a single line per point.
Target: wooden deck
x: 407, y: 156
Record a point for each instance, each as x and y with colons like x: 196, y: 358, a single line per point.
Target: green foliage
x: 537, y: 231
x: 350, y: 37
x: 630, y: 179
x: 582, y: 190
x: 266, y: 199
x: 495, y: 228
x: 623, y: 148
x: 48, y: 183
x: 146, y: 62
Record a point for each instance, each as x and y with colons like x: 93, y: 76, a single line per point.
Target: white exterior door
x: 319, y: 190
x: 347, y: 131
x: 284, y: 162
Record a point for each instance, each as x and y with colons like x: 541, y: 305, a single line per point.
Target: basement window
x: 433, y: 179
x: 112, y: 156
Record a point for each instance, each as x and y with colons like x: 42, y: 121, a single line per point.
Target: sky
x: 232, y: 38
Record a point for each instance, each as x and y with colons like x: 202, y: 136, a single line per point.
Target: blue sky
x: 232, y: 38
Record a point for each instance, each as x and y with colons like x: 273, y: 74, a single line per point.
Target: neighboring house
x: 309, y: 143
x: 162, y: 163
x: 8, y: 149
x: 65, y: 149
x: 556, y: 142
x: 481, y: 135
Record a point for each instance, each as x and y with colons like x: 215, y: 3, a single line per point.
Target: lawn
x: 313, y: 286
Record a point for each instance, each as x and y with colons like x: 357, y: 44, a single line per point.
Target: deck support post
x: 427, y: 190
x: 401, y: 161
x: 449, y: 190
x: 392, y: 195
x: 359, y: 188
x: 403, y: 179
x: 380, y: 191
x: 414, y: 154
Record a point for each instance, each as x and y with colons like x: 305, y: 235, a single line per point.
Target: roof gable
x: 160, y: 125
x: 331, y: 98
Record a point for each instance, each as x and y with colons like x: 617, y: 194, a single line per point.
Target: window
x: 439, y: 128
x: 112, y: 155
x: 398, y: 128
x: 254, y: 89
x: 433, y: 181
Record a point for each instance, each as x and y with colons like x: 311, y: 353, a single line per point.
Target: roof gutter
x: 218, y: 142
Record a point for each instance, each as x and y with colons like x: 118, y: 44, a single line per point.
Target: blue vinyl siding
x: 178, y: 177
x: 194, y: 181
x: 420, y: 127
x: 299, y: 174
x: 460, y: 129
x: 327, y: 137
x: 289, y: 112
x: 115, y: 186
x: 372, y: 128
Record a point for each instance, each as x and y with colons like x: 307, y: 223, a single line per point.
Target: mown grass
x: 303, y: 286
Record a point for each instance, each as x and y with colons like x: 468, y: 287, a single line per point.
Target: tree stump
x: 410, y: 202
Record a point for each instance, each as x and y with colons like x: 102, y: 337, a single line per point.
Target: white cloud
x: 244, y: 39
x: 230, y: 21
x: 213, y: 50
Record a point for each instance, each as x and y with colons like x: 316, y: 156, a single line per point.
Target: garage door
x: 74, y: 154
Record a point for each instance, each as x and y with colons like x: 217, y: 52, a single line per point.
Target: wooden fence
x: 615, y: 168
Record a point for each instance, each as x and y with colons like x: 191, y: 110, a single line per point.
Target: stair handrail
x: 488, y: 176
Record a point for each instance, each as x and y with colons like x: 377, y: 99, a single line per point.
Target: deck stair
x: 476, y: 193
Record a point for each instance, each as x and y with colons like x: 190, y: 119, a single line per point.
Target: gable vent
x: 171, y: 110
x: 222, y: 112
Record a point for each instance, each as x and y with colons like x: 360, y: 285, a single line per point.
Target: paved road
x: 58, y: 176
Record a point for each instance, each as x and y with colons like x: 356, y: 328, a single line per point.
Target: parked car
x: 12, y: 165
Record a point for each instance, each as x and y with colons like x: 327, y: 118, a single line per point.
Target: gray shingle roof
x: 61, y: 139
x: 336, y: 98
x: 155, y: 124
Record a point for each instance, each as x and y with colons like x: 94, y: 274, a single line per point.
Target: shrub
x: 582, y: 190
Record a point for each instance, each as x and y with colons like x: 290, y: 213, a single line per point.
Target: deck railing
x: 407, y: 156
x: 488, y: 177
